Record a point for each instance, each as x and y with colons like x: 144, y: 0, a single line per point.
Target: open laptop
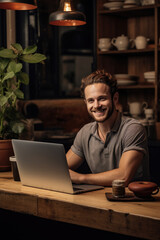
x: 44, y: 165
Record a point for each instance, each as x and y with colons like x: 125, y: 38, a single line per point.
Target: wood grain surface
x: 91, y: 209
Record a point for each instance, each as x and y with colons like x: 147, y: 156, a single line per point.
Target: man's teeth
x: 102, y: 110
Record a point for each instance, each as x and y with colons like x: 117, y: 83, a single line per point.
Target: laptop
x: 44, y: 165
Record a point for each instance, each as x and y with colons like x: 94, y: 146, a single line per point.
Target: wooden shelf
x: 132, y: 22
x: 129, y: 51
x: 129, y: 12
x: 138, y: 86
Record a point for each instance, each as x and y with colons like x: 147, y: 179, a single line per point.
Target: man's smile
x: 100, y: 110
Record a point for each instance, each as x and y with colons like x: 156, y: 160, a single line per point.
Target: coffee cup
x: 136, y: 108
x: 141, y: 42
x: 104, y: 44
x: 14, y: 168
x: 148, y: 113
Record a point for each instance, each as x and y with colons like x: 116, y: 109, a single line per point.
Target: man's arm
x: 128, y: 165
x: 73, y: 160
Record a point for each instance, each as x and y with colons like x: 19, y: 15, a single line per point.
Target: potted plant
x: 12, y: 76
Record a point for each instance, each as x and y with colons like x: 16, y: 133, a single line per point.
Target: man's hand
x: 76, y: 177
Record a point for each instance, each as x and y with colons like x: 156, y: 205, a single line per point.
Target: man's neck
x: 106, y: 126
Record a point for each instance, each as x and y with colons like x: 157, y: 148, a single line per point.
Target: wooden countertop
x: 91, y: 209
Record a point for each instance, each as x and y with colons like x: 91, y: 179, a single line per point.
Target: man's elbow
x: 127, y: 178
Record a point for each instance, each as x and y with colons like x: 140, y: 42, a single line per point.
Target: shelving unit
x: 132, y: 22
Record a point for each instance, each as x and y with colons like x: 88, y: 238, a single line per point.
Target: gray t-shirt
x: 126, y: 134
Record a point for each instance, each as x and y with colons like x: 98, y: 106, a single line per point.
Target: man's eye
x: 103, y: 99
x: 90, y: 101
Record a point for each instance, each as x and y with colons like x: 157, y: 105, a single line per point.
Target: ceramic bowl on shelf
x: 115, y: 1
x: 130, y: 3
x: 147, y: 2
x: 124, y: 76
x: 125, y: 79
x: 149, y: 76
x: 104, y: 44
x: 150, y: 80
x: 125, y: 82
x: 113, y: 5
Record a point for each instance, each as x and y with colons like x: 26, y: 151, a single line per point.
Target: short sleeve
x: 135, y: 138
x: 77, y: 146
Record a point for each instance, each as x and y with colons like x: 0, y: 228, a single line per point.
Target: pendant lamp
x: 18, y: 4
x: 66, y: 15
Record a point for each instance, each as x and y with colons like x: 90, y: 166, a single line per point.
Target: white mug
x: 136, y: 108
x: 141, y: 42
x: 104, y: 44
x: 148, y: 113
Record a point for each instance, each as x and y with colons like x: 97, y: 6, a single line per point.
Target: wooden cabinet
x: 132, y: 22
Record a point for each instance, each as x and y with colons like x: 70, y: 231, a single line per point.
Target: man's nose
x: 96, y: 104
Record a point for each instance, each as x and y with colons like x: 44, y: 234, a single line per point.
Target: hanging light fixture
x: 66, y: 15
x: 18, y: 4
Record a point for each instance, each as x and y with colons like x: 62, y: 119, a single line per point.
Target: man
x: 114, y: 146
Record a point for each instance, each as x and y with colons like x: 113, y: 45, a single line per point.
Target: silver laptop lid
x: 42, y: 165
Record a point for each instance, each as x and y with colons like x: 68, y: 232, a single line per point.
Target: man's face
x: 99, y: 102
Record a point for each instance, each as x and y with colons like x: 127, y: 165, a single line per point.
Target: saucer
x: 125, y: 82
x: 129, y: 5
x: 113, y: 5
x: 130, y: 2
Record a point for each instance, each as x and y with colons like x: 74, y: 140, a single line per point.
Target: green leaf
x: 7, y: 53
x: 30, y: 49
x: 19, y: 93
x: 3, y: 64
x: 9, y: 94
x: 17, y: 48
x: 35, y: 58
x: 8, y: 76
x: 24, y: 78
x: 3, y: 100
x: 14, y: 67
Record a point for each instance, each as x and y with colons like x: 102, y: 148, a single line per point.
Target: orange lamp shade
x: 18, y: 4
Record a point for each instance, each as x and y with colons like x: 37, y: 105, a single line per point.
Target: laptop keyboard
x: 76, y: 188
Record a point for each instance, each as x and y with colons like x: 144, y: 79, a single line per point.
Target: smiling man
x: 114, y: 146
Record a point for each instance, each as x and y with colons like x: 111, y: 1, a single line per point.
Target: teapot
x: 136, y: 108
x: 143, y: 189
x: 121, y: 42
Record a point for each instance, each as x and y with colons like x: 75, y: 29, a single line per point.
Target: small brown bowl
x: 143, y: 189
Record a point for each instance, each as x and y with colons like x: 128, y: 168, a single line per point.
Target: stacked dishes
x: 117, y: 4
x: 113, y: 4
x: 149, y: 76
x: 125, y: 79
x: 130, y: 3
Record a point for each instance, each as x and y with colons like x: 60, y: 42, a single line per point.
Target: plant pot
x: 6, y: 151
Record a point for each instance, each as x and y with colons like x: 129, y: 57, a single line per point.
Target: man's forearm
x: 102, y: 179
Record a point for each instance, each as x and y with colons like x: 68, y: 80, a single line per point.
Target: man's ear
x: 116, y: 98
x: 117, y: 105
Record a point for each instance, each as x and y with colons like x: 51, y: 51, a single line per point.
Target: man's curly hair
x: 99, y: 76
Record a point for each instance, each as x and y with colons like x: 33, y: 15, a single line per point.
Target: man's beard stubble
x: 110, y: 112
